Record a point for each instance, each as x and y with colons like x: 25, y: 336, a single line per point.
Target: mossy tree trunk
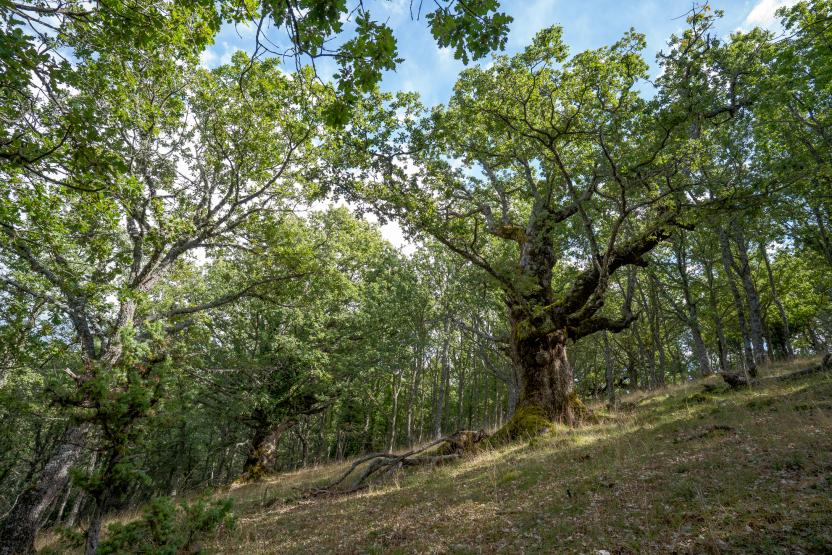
x: 546, y: 379
x: 261, y: 455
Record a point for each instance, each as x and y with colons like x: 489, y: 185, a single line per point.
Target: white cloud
x: 763, y: 14
x: 207, y: 58
x: 531, y: 17
x: 392, y: 232
x: 229, y: 51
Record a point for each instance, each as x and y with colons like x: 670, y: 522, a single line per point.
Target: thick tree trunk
x: 22, y: 523
x: 546, y: 379
x: 261, y: 455
x: 700, y: 349
x: 513, y: 392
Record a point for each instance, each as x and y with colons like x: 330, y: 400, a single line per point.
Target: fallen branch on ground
x: 740, y: 380
x: 457, y: 445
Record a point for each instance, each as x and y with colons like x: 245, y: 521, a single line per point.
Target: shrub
x: 168, y: 529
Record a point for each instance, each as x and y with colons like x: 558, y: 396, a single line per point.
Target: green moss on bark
x: 527, y: 422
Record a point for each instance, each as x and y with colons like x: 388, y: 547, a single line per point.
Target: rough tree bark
x: 541, y: 324
x: 260, y: 457
x: 24, y: 520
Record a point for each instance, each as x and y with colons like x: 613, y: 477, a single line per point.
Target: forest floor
x: 671, y: 471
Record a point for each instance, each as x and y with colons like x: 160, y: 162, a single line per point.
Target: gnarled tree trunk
x: 546, y: 379
x: 261, y: 455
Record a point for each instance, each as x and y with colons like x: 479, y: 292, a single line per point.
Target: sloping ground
x: 679, y: 471
x: 673, y: 471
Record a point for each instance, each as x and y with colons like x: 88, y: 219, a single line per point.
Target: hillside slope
x: 679, y: 471
x: 674, y: 471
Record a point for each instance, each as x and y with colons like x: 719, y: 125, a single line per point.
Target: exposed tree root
x: 449, y: 448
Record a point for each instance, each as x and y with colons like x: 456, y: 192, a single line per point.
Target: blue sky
x: 432, y: 71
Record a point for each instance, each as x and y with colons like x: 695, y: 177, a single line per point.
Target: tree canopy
x: 194, y: 287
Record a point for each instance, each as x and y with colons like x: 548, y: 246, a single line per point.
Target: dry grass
x: 672, y: 471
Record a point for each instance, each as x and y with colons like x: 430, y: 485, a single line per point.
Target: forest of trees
x: 174, y: 315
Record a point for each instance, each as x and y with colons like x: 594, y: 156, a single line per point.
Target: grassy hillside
x: 673, y: 471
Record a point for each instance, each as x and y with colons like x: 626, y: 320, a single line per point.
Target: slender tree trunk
x: 302, y: 433
x: 632, y: 370
x: 817, y: 346
x: 609, y: 370
x: 395, y: 399
x: 778, y: 303
x: 475, y: 397
x: 692, y: 316
x: 94, y: 528
x: 60, y: 515
x: 824, y: 237
x: 728, y: 264
x: 412, y: 398
x: 643, y: 354
x: 655, y: 331
x: 718, y: 326
x: 743, y: 269
x: 72, y: 520
x: 443, y: 379
x: 23, y: 522
x: 696, y: 333
x: 460, y: 392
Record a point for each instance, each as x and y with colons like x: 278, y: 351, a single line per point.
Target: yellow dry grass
x: 669, y: 471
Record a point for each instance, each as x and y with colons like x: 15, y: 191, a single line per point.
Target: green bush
x: 168, y: 529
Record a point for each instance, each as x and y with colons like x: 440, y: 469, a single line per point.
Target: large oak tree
x: 551, y: 173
